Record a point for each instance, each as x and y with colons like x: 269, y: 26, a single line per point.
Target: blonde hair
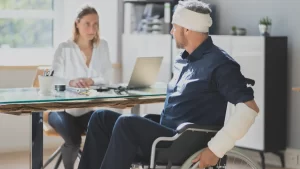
x: 85, y: 10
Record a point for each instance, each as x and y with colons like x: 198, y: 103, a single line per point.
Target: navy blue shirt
x: 202, y: 85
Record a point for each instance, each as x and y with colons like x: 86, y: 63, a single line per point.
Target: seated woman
x: 81, y: 62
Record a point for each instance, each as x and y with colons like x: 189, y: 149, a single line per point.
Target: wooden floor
x: 21, y: 161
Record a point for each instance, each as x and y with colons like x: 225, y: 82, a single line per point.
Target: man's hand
x: 81, y: 82
x: 207, y: 159
x: 252, y: 104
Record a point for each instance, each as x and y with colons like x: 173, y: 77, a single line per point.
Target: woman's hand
x: 81, y: 82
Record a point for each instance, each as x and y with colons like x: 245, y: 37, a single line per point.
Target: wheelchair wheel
x: 234, y: 159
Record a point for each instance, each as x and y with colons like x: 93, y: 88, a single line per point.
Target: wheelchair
x: 188, y: 142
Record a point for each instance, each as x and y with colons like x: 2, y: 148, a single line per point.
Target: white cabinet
x: 249, y: 53
x: 263, y: 59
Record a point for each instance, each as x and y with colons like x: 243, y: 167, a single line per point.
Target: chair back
x: 48, y: 130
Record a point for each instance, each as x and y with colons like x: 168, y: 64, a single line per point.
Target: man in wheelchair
x: 205, y: 79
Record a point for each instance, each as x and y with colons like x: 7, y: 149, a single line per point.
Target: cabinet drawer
x: 248, y: 46
x: 223, y: 42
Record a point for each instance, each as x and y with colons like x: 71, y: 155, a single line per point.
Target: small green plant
x: 233, y: 28
x: 265, y: 21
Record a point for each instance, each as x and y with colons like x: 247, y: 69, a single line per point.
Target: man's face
x: 178, y: 33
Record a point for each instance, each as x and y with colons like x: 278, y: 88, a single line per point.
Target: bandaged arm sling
x: 236, y: 127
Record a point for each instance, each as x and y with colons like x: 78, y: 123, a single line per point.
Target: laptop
x: 145, y: 72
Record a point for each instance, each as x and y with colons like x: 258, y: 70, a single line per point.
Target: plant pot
x: 233, y: 32
x: 241, y: 31
x: 264, y: 29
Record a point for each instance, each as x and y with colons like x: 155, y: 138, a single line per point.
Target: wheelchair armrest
x: 189, y: 139
x: 153, y: 117
x: 191, y: 126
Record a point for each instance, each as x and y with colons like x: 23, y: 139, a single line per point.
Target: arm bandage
x: 236, y: 127
x: 191, y: 20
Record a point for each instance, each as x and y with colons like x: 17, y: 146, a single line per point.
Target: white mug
x: 46, y: 85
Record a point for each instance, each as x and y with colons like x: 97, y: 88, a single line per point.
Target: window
x: 27, y: 4
x: 28, y: 31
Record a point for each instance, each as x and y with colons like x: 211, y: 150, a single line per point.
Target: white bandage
x: 236, y: 127
x: 191, y: 20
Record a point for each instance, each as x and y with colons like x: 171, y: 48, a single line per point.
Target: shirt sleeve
x: 104, y: 77
x: 232, y: 84
x: 58, y: 66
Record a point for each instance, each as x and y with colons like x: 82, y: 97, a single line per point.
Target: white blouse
x: 69, y: 63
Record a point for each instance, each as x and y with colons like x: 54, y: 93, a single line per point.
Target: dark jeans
x: 70, y: 128
x: 113, y: 140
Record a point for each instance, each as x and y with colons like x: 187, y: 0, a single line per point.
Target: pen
x: 52, y: 72
x: 45, y: 72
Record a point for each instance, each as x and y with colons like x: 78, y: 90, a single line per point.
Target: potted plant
x: 265, y: 26
x: 233, y: 30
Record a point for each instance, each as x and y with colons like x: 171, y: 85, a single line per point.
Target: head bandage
x: 191, y: 20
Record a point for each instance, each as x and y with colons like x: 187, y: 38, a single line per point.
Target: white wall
x: 108, y: 11
x: 15, y: 130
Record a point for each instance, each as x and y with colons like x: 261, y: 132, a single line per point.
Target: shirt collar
x: 199, y: 51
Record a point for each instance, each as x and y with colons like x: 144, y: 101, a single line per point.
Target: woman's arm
x: 105, y: 76
x: 59, y: 67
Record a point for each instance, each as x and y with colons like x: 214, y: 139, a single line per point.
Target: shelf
x: 147, y: 1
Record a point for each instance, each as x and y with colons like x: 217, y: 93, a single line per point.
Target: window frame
x: 33, y: 56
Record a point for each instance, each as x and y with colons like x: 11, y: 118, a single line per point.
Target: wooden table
x: 28, y: 101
